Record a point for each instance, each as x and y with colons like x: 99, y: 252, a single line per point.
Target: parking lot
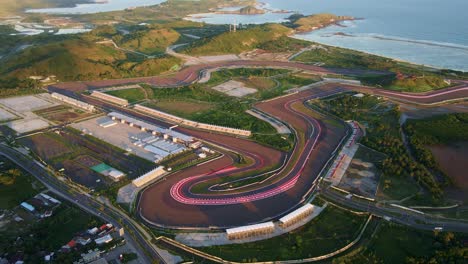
x: 22, y: 110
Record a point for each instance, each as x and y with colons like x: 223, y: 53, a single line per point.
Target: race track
x: 171, y: 202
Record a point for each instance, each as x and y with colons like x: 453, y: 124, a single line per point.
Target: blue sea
x: 429, y: 32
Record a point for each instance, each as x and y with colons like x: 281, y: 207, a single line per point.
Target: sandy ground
x: 360, y: 178
x: 234, y: 88
x: 27, y: 125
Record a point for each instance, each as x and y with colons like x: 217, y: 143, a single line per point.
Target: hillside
x: 251, y: 10
x: 81, y: 59
x: 148, y: 41
x: 240, y: 41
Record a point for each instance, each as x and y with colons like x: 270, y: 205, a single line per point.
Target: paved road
x: 412, y: 219
x: 139, y: 242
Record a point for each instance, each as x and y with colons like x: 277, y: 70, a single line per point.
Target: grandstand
x: 110, y: 98
x: 296, y: 216
x: 250, y: 231
x: 149, y: 177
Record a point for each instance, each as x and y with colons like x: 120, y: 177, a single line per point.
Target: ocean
x: 429, y: 32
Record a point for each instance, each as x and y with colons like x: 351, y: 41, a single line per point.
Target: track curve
x: 170, y: 203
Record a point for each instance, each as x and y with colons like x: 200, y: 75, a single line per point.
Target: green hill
x: 148, y: 41
x: 82, y: 59
x: 312, y: 22
x: 240, y: 41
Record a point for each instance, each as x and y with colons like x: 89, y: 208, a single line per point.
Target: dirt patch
x: 263, y: 55
x: 87, y: 161
x: 45, y: 146
x: 82, y: 175
x: 260, y: 83
x: 62, y: 114
x: 452, y: 160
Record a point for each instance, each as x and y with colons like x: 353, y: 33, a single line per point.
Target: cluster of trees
x: 442, y: 129
x: 17, y: 83
x: 400, y: 164
x: 451, y: 249
x: 8, y: 177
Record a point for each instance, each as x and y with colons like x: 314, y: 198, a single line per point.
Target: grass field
x: 331, y: 230
x: 394, y: 243
x: 396, y: 187
x: 184, y: 108
x: 12, y: 179
x: 132, y: 95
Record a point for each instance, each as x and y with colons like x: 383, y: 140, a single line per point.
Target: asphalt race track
x: 191, y: 74
x: 170, y: 203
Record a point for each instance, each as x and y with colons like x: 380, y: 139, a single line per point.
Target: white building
x: 149, y: 177
x: 116, y: 175
x: 103, y: 240
x: 73, y: 102
x: 250, y: 230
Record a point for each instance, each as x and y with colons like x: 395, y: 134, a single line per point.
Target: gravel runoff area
x: 117, y: 135
x: 234, y: 88
x: 215, y: 239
